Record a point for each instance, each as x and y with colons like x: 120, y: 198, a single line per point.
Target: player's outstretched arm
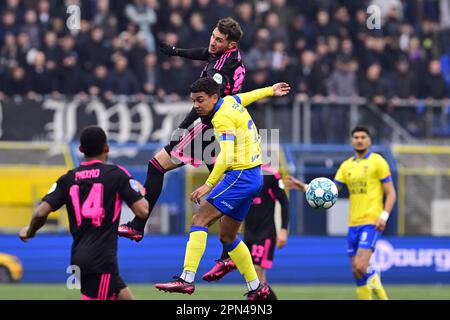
x: 37, y: 221
x: 193, y: 54
x: 296, y: 184
x: 277, y: 90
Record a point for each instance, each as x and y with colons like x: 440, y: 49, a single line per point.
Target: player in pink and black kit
x: 224, y: 64
x: 93, y: 195
x: 260, y: 234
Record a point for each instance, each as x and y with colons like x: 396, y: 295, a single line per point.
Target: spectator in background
x: 142, y: 13
x: 105, y: 19
x: 32, y: 28
x: 260, y: 55
x: 95, y: 52
x: 198, y: 31
x: 373, y: 86
x: 276, y: 31
x: 343, y: 80
x: 430, y: 37
x: 71, y: 78
x: 283, y: 12
x: 8, y: 53
x: 404, y: 80
x: 177, y: 25
x: 23, y: 46
x: 8, y: 25
x: 324, y: 27
x: 433, y: 85
x: 17, y: 82
x: 343, y: 22
x: 298, y: 34
x: 224, y: 8
x: 51, y: 49
x: 244, y: 13
x: 44, y: 14
x: 42, y: 79
x: 123, y: 80
x: 175, y: 76
x: 310, y: 80
x: 100, y: 83
x: 150, y: 80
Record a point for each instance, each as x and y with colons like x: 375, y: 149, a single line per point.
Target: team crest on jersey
x: 281, y: 184
x: 134, y: 185
x: 53, y: 188
x: 218, y: 78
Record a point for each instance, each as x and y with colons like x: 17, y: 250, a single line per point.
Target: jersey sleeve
x: 128, y: 189
x: 279, y: 190
x: 226, y: 133
x: 247, y: 98
x: 193, y: 54
x: 220, y: 77
x: 339, y: 179
x: 56, y: 196
x: 383, y: 170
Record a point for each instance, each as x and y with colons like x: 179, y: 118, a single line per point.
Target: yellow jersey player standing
x: 367, y: 176
x: 230, y: 199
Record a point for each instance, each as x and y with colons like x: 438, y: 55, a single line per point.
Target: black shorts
x: 104, y: 286
x: 262, y: 251
x: 190, y: 149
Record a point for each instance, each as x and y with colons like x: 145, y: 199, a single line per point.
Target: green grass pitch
x: 228, y: 292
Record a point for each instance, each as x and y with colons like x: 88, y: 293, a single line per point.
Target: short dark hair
x: 230, y: 28
x: 207, y: 85
x: 92, y: 141
x: 361, y: 129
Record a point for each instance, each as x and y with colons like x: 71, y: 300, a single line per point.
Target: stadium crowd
x: 320, y: 47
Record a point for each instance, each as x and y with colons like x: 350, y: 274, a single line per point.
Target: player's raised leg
x: 156, y: 169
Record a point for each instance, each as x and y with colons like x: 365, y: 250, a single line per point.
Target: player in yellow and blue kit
x: 230, y: 199
x: 367, y: 176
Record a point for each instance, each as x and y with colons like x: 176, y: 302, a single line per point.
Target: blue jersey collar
x: 217, y: 106
x: 365, y: 157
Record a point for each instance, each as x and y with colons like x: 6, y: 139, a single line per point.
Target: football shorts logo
x: 53, y: 188
x: 218, y: 78
x: 134, y: 185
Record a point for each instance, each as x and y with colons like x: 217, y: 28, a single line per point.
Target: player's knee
x: 226, y: 238
x: 199, y: 220
x: 360, y: 269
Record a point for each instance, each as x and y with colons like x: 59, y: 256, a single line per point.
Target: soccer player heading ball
x: 230, y: 199
x: 225, y: 66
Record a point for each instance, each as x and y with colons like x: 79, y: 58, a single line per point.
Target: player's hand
x: 293, y: 183
x: 167, y: 49
x: 380, y: 225
x: 23, y: 234
x: 280, y: 89
x: 198, y: 194
x: 282, y: 238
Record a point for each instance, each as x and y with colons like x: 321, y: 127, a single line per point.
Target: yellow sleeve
x: 247, y: 98
x: 339, y: 179
x: 383, y: 170
x: 226, y: 132
x: 223, y: 161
